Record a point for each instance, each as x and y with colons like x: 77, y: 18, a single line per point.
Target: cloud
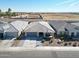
x: 76, y: 4
x: 65, y: 2
x: 67, y: 6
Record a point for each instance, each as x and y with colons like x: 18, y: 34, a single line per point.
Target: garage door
x: 10, y: 35
x: 31, y: 34
x: 1, y: 35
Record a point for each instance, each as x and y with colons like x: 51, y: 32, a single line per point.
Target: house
x: 72, y: 29
x: 67, y: 29
x: 9, y: 31
x: 1, y: 29
x: 1, y: 32
x: 58, y: 26
x: 75, y: 23
x: 39, y: 29
x: 19, y: 25
x: 76, y: 31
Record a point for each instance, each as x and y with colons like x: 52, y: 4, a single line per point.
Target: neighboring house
x: 76, y: 23
x: 19, y: 25
x: 72, y: 29
x: 58, y: 26
x: 1, y: 32
x: 76, y: 31
x: 10, y: 31
x: 68, y: 29
x: 7, y: 31
x: 2, y: 23
x: 39, y: 29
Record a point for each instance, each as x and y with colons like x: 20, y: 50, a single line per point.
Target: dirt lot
x: 46, y: 17
x: 60, y: 16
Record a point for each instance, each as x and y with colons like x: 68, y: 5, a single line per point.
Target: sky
x: 40, y: 5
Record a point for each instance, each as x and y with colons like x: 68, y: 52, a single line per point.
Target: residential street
x: 38, y: 53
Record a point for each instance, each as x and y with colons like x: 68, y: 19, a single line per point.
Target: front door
x: 41, y: 34
x: 1, y: 35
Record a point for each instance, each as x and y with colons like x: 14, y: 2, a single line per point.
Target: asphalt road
x: 28, y: 54
x: 40, y: 54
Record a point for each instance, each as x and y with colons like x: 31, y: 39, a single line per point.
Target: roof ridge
x: 13, y: 27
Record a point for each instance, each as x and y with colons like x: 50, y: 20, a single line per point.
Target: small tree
x: 8, y: 13
x: 0, y: 10
x: 9, y: 10
x: 13, y: 14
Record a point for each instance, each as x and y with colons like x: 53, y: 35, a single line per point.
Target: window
x: 1, y: 35
x: 31, y: 34
x: 77, y: 34
x: 47, y: 34
x: 72, y: 34
x: 62, y: 33
x: 66, y: 29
